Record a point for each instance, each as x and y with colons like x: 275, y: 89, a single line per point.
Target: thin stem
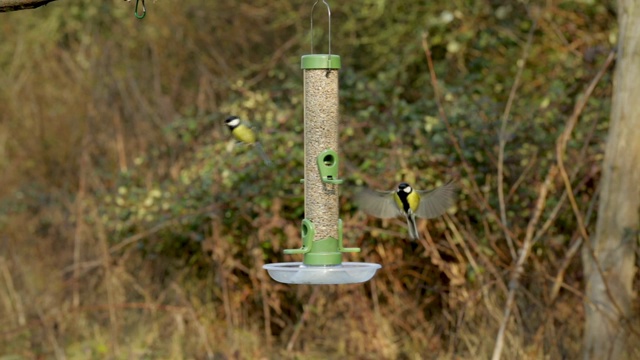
x: 503, y: 136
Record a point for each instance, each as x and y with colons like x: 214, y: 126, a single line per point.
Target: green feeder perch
x: 322, y: 246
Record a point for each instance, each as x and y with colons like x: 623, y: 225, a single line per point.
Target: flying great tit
x: 408, y: 202
x: 245, y: 134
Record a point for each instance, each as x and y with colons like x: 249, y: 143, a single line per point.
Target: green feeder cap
x: 320, y: 61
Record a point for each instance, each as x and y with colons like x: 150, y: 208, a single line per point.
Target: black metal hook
x: 144, y: 10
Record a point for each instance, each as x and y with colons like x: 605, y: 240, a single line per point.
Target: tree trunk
x: 610, y: 268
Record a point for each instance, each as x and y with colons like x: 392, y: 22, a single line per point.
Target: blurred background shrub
x: 132, y: 226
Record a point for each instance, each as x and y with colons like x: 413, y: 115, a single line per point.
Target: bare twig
x: 219, y: 255
x: 305, y: 315
x: 86, y: 266
x: 277, y: 55
x: 46, y: 325
x: 573, y: 249
x: 141, y: 235
x: 475, y: 192
x: 524, y: 253
x: 524, y: 175
x: 202, y: 329
x: 556, y: 210
x: 78, y: 233
x: 503, y: 136
x: 43, y: 321
x: 108, y: 281
x: 558, y: 281
x: 375, y: 299
x: 456, y: 233
x: 14, y: 301
x: 552, y: 217
x: 120, y: 142
x: 472, y: 241
x: 436, y: 259
x: 263, y: 280
x: 561, y: 146
x: 526, y: 246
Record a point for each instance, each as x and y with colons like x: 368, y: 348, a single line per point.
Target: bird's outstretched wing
x: 380, y: 204
x: 434, y: 203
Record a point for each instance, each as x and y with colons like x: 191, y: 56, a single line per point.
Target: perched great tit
x: 245, y: 134
x: 408, y: 202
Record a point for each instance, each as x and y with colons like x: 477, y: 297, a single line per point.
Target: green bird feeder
x: 321, y: 229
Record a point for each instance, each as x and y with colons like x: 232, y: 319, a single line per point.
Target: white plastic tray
x: 298, y: 273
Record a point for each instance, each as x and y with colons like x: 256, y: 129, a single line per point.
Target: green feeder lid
x: 320, y: 61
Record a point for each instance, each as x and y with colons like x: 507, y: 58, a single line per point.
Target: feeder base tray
x: 298, y: 273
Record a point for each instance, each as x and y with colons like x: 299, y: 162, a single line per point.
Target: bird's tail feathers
x: 413, y: 228
x: 263, y: 154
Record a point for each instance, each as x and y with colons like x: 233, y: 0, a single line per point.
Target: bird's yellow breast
x: 408, y: 202
x: 244, y: 133
x: 414, y: 201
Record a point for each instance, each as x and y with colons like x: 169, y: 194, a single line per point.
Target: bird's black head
x: 232, y: 121
x: 405, y: 188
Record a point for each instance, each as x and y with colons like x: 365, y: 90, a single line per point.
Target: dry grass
x: 380, y: 319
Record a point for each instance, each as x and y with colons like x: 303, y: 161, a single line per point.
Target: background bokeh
x: 132, y: 226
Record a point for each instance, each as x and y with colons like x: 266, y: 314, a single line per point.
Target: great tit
x: 408, y: 202
x: 245, y: 134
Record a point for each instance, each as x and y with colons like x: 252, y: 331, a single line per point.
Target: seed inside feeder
x: 321, y: 133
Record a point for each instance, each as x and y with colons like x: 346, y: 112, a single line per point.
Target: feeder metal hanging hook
x: 144, y: 10
x: 329, y: 15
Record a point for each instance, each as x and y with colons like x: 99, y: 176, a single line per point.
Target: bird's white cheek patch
x: 407, y: 189
x: 234, y: 122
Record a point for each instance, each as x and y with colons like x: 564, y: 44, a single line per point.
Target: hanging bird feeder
x: 322, y: 242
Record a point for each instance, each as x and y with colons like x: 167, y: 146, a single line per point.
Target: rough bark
x: 609, y: 262
x: 15, y: 5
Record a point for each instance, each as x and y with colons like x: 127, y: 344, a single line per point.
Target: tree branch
x: 15, y: 5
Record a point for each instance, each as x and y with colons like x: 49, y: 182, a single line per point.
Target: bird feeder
x: 321, y: 230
